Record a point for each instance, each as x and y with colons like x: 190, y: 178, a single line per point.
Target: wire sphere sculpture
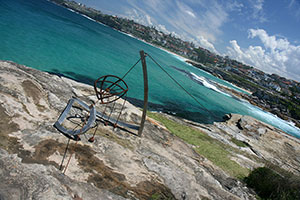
x: 110, y: 88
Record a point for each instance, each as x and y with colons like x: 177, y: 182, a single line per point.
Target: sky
x: 264, y: 34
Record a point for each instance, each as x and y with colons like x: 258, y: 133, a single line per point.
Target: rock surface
x: 264, y: 141
x: 118, y: 165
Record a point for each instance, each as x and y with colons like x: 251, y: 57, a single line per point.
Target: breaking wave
x: 201, y: 81
x: 205, y: 82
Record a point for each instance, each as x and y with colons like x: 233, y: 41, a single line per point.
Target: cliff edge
x: 118, y: 165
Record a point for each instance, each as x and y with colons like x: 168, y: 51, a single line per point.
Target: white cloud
x: 162, y: 28
x: 190, y: 13
x: 206, y: 44
x: 258, y: 11
x: 270, y: 42
x: 276, y: 55
x: 258, y: 5
x: 148, y: 18
x: 235, y: 6
x: 294, y: 7
x: 139, y: 17
x: 201, y: 25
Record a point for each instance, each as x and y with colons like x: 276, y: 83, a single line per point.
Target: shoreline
x: 165, y: 159
x: 244, y: 97
x: 183, y: 59
x: 165, y: 50
x: 179, y: 57
x: 225, y: 89
x: 128, y: 34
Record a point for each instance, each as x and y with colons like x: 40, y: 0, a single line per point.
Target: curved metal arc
x: 145, y: 75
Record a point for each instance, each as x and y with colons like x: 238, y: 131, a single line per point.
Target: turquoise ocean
x: 47, y: 37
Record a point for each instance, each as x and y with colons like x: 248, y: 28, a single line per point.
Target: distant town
x: 271, y: 92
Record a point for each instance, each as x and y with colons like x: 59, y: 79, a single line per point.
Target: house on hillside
x: 274, y: 86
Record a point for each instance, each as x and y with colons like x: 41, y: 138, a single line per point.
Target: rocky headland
x: 120, y: 165
x: 256, y: 99
x: 260, y: 93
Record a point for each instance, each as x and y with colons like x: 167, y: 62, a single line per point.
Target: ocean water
x: 42, y: 35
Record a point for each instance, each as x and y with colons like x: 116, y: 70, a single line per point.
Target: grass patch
x: 239, y: 143
x: 206, y: 146
x: 158, y: 196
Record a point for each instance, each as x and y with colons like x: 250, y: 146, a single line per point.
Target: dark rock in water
x: 227, y: 117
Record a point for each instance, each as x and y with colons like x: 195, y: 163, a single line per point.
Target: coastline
x: 247, y: 98
x: 165, y: 159
x: 183, y: 59
x: 179, y: 57
x: 165, y: 50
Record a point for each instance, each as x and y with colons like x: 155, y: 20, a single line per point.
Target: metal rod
x: 145, y: 75
x: 69, y: 159
x: 75, y: 145
x: 62, y: 162
x: 115, y: 125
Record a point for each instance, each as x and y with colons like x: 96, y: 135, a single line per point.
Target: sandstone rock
x: 265, y: 141
x: 118, y: 165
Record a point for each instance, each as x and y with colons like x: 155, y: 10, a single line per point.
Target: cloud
x: 162, y: 28
x: 294, y: 7
x: 235, y: 6
x: 206, y: 44
x: 148, y: 18
x: 276, y: 55
x: 258, y: 5
x: 190, y: 13
x: 197, y: 21
x: 258, y: 11
x: 270, y: 42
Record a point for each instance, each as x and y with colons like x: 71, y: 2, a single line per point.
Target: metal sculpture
x: 87, y: 122
x: 108, y: 89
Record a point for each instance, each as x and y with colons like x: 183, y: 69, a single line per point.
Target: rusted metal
x: 105, y: 88
x: 145, y: 75
x: 108, y: 90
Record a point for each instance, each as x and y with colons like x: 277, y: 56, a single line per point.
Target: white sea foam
x: 85, y: 16
x: 177, y: 56
x: 291, y: 123
x: 71, y: 10
x: 88, y: 17
x: 127, y: 34
x: 207, y: 83
x: 274, y: 119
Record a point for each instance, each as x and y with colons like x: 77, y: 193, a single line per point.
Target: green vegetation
x: 292, y: 106
x: 269, y: 184
x: 203, y: 56
x: 245, y: 82
x: 239, y: 143
x: 159, y: 196
x: 206, y: 146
